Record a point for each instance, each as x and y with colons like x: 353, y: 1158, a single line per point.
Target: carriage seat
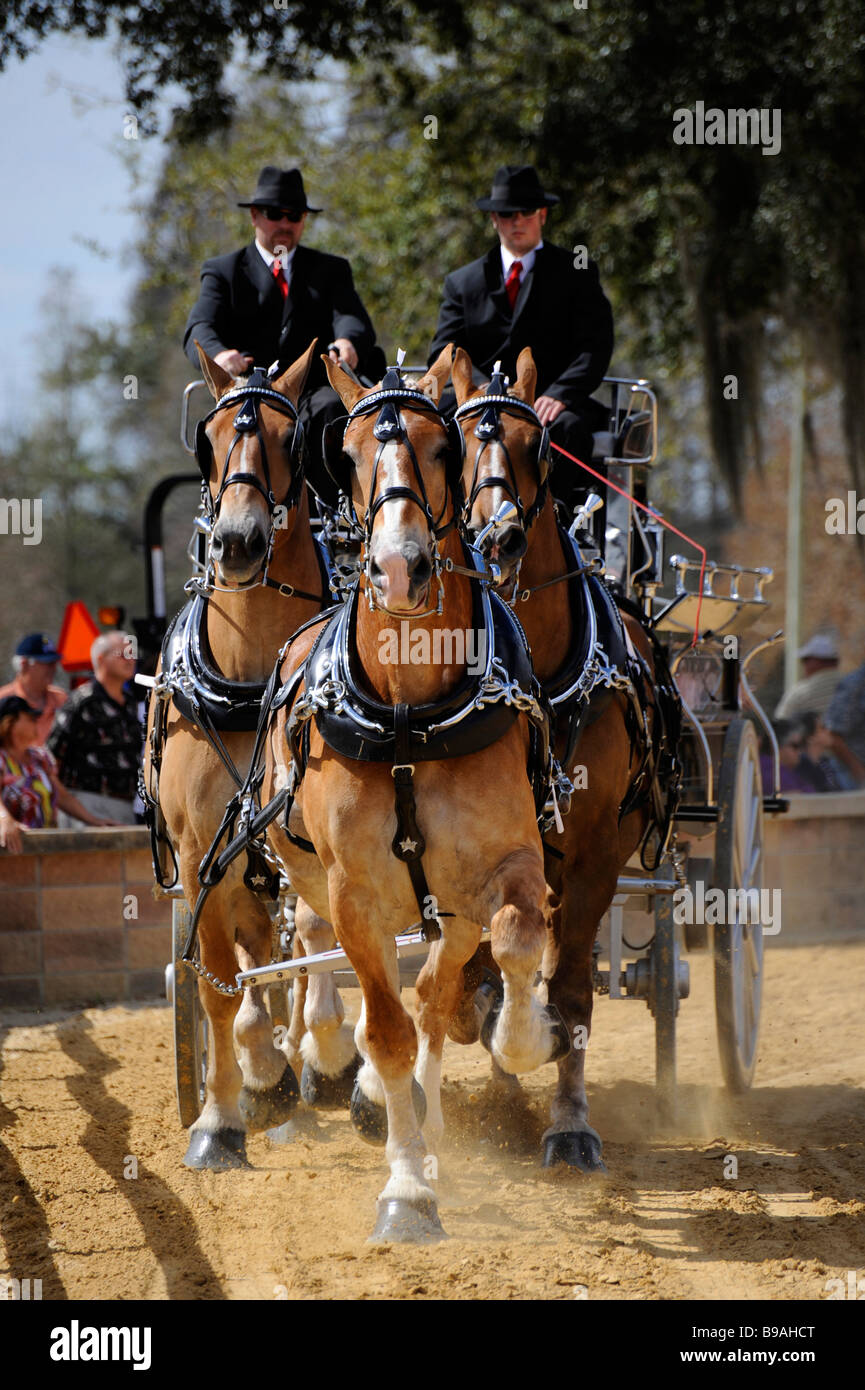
x: 632, y: 439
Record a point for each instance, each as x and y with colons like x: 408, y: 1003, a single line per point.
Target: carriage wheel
x: 190, y: 1024
x: 664, y: 997
x: 738, y: 944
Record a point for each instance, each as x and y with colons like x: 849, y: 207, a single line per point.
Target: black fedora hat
x: 279, y: 188
x: 517, y: 187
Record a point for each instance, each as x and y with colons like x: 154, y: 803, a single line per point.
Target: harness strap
x: 408, y: 843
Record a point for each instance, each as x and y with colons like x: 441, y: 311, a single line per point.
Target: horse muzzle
x: 400, y: 576
x: 238, y: 549
x: 505, y: 547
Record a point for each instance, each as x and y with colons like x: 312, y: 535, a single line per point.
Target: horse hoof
x: 219, y: 1150
x: 370, y: 1119
x: 578, y: 1149
x: 407, y: 1223
x: 328, y: 1092
x: 270, y: 1108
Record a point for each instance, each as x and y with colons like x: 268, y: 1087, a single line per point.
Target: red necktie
x: 279, y: 277
x: 512, y: 284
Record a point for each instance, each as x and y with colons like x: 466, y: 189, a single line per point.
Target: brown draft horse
x: 247, y: 620
x: 586, y: 860
x: 483, y: 860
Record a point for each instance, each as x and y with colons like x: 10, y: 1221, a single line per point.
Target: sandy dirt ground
x: 79, y: 1093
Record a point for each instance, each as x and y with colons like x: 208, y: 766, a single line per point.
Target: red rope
x: 657, y: 516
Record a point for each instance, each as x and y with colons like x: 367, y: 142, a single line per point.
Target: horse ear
x: 293, y: 379
x: 461, y: 374
x: 348, y: 391
x: 527, y: 377
x: 433, y: 382
x: 218, y: 379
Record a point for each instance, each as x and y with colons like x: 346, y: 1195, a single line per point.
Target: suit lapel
x: 526, y: 286
x: 295, y: 288
x: 259, y: 274
x: 495, y: 281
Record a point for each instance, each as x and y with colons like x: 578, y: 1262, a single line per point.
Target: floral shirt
x: 27, y: 787
x: 97, y: 743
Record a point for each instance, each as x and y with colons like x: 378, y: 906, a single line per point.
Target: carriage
x: 713, y: 842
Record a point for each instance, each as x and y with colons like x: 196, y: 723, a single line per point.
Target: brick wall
x: 815, y: 855
x: 78, y: 920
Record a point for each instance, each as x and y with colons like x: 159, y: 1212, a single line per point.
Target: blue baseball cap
x: 37, y: 647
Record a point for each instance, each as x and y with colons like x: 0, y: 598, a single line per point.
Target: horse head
x: 397, y: 462
x: 250, y: 451
x: 505, y: 461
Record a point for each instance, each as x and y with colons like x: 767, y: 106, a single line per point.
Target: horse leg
x: 217, y: 1139
x: 327, y: 1047
x: 296, y: 1026
x: 438, y: 991
x: 522, y: 1034
x: 367, y: 1109
x: 570, y: 1138
x: 270, y: 1090
x: 407, y: 1211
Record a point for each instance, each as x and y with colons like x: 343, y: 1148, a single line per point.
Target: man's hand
x: 548, y: 409
x: 234, y: 362
x: 342, y: 350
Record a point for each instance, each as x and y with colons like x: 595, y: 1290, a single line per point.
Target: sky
x: 69, y: 179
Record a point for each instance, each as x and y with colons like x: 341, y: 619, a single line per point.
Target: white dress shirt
x: 527, y: 260
x: 269, y: 258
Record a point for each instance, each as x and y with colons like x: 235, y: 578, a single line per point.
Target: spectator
x: 844, y: 721
x: 97, y: 736
x: 30, y: 789
x: 813, y: 693
x: 34, y: 663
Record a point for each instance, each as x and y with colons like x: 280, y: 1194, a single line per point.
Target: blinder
x: 203, y: 451
x: 336, y: 460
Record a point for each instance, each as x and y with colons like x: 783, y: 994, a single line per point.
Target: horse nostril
x: 420, y: 570
x: 512, y: 542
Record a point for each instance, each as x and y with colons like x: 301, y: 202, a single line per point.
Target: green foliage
x: 191, y: 43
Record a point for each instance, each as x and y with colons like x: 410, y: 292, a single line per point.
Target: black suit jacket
x: 240, y: 306
x: 561, y: 313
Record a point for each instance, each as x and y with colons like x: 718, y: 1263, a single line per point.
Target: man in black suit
x: 526, y: 292
x: 267, y: 302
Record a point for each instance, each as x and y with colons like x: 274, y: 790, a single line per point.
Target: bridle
x: 494, y: 403
x: 255, y: 391
x: 392, y: 395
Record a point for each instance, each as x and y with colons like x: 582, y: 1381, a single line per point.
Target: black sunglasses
x: 519, y: 212
x: 290, y: 214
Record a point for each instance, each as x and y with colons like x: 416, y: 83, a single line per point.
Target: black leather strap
x: 408, y: 843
